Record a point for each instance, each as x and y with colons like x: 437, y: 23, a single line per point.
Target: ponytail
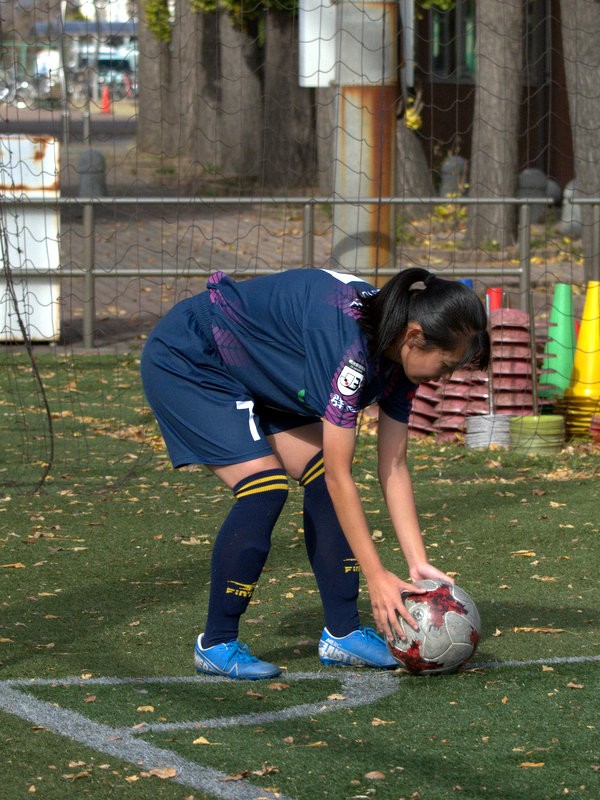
x: 449, y: 313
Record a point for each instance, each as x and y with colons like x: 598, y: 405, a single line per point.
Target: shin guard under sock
x: 240, y: 551
x: 335, y: 568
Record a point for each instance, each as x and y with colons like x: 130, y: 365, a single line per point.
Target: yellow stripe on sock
x: 267, y: 484
x: 312, y: 473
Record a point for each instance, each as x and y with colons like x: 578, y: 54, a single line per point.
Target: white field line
x: 357, y: 688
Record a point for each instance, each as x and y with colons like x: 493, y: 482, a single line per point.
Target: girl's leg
x: 343, y: 642
x: 332, y: 561
x: 242, y: 544
x: 260, y: 489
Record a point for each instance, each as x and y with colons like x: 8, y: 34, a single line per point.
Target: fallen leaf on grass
x: 204, y: 740
x: 145, y: 708
x: 193, y: 540
x: 236, y: 776
x: 75, y: 776
x: 523, y: 553
x: 164, y: 773
x: 336, y: 696
x: 539, y: 630
x: 17, y: 565
x: 267, y: 769
x: 532, y: 764
x: 278, y: 687
x: 375, y: 775
x: 572, y: 685
x: 376, y: 722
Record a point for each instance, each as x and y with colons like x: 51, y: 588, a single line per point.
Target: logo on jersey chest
x: 351, y: 378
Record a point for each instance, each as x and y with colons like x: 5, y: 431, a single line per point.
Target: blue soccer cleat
x: 232, y: 660
x: 361, y: 648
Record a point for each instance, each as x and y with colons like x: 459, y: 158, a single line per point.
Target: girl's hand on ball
x: 425, y: 571
x: 386, y: 600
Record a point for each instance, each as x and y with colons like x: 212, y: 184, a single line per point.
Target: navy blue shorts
x: 205, y: 416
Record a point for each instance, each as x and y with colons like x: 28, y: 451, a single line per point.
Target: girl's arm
x: 397, y: 489
x: 385, y: 588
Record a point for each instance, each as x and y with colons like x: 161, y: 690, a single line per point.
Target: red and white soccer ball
x: 449, y: 630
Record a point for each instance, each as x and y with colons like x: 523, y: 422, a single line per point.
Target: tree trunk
x: 195, y: 88
x: 326, y: 122
x: 413, y: 176
x: 153, y: 81
x: 289, y: 115
x: 494, y: 154
x: 241, y: 102
x: 580, y: 32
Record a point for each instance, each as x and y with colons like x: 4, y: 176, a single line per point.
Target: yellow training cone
x: 585, y: 378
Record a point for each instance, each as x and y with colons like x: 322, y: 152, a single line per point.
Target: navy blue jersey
x: 294, y: 341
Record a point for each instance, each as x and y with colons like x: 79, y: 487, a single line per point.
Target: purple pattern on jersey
x: 345, y: 298
x: 230, y: 348
x: 216, y: 297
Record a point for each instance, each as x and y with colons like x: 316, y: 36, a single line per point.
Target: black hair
x: 449, y: 313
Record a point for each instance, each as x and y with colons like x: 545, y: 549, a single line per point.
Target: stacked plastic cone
x: 581, y: 401
x: 512, y: 378
x: 477, y: 403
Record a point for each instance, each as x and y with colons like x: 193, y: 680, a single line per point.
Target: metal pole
x: 365, y: 135
x: 89, y: 292
x: 308, y: 227
x: 524, y: 254
x: 533, y: 354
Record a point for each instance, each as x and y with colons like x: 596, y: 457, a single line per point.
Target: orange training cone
x: 105, y: 101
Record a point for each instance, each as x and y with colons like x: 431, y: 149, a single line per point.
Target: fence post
x: 308, y: 230
x: 524, y: 254
x: 595, y: 254
x: 89, y: 292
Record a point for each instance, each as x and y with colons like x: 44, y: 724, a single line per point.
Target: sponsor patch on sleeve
x: 351, y: 378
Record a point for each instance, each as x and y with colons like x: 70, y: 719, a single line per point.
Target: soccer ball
x: 449, y: 630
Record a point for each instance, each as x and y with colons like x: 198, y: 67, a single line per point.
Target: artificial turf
x: 105, y: 573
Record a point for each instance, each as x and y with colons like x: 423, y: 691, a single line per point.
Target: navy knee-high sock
x: 240, y: 552
x: 329, y: 553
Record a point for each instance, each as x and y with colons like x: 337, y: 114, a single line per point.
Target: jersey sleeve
x: 398, y: 398
x: 334, y: 385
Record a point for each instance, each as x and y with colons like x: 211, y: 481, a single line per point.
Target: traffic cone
x: 557, y: 364
x: 585, y: 377
x: 105, y: 100
x: 582, y: 397
x: 494, y: 296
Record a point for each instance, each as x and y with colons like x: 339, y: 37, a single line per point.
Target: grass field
x: 104, y: 576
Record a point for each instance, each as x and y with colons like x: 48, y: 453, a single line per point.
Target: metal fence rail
x: 89, y: 272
